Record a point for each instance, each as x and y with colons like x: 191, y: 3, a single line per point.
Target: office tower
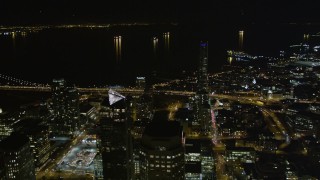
x: 58, y: 89
x: 207, y: 164
x: 38, y: 135
x: 6, y: 122
x: 199, y: 159
x: 98, y: 166
x: 115, y: 143
x: 58, y: 124
x: 137, y: 132
x: 199, y: 155
x: 141, y: 83
x: 143, y: 107
x: 162, y: 152
x: 142, y: 111
x: 65, y: 106
x: 73, y: 110
x: 192, y: 159
x: 201, y: 124
x: 17, y: 157
x: 203, y: 67
x: 39, y: 143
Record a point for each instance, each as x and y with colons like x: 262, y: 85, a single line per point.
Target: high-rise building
x: 199, y: 159
x: 162, y: 152
x: 141, y: 83
x: 6, y: 123
x: 98, y: 166
x: 202, y: 120
x: 143, y: 107
x: 17, y: 157
x: 199, y: 155
x: 137, y: 132
x: 202, y: 80
x: 192, y: 159
x: 38, y: 135
x: 58, y: 124
x: 141, y: 111
x: 115, y: 143
x: 58, y: 89
x: 65, y: 106
x: 73, y: 110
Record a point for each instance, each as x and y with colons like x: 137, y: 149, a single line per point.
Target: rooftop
x: 14, y: 142
x: 163, y: 129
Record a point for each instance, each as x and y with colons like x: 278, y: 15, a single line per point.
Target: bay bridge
x: 8, y: 83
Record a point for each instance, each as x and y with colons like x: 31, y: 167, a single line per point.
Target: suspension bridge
x: 9, y: 83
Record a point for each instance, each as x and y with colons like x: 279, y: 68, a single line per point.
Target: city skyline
x: 160, y: 90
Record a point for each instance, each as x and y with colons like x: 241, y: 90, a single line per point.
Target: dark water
x: 87, y: 57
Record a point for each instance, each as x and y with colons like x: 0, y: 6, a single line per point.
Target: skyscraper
x: 199, y: 159
x: 6, y: 122
x: 162, y: 152
x: 65, y: 106
x: 73, y: 110
x: 203, y: 67
x: 17, y: 158
x: 115, y: 142
x: 142, y: 110
x: 38, y: 135
x: 199, y: 155
x: 58, y: 123
x: 141, y: 83
x: 202, y: 121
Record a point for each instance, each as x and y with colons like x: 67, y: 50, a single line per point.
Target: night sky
x: 216, y: 11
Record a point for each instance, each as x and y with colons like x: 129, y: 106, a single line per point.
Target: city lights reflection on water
x: 117, y: 45
x: 155, y: 41
x: 166, y: 37
x: 13, y: 35
x: 230, y: 59
x: 241, y: 34
x: 306, y: 37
